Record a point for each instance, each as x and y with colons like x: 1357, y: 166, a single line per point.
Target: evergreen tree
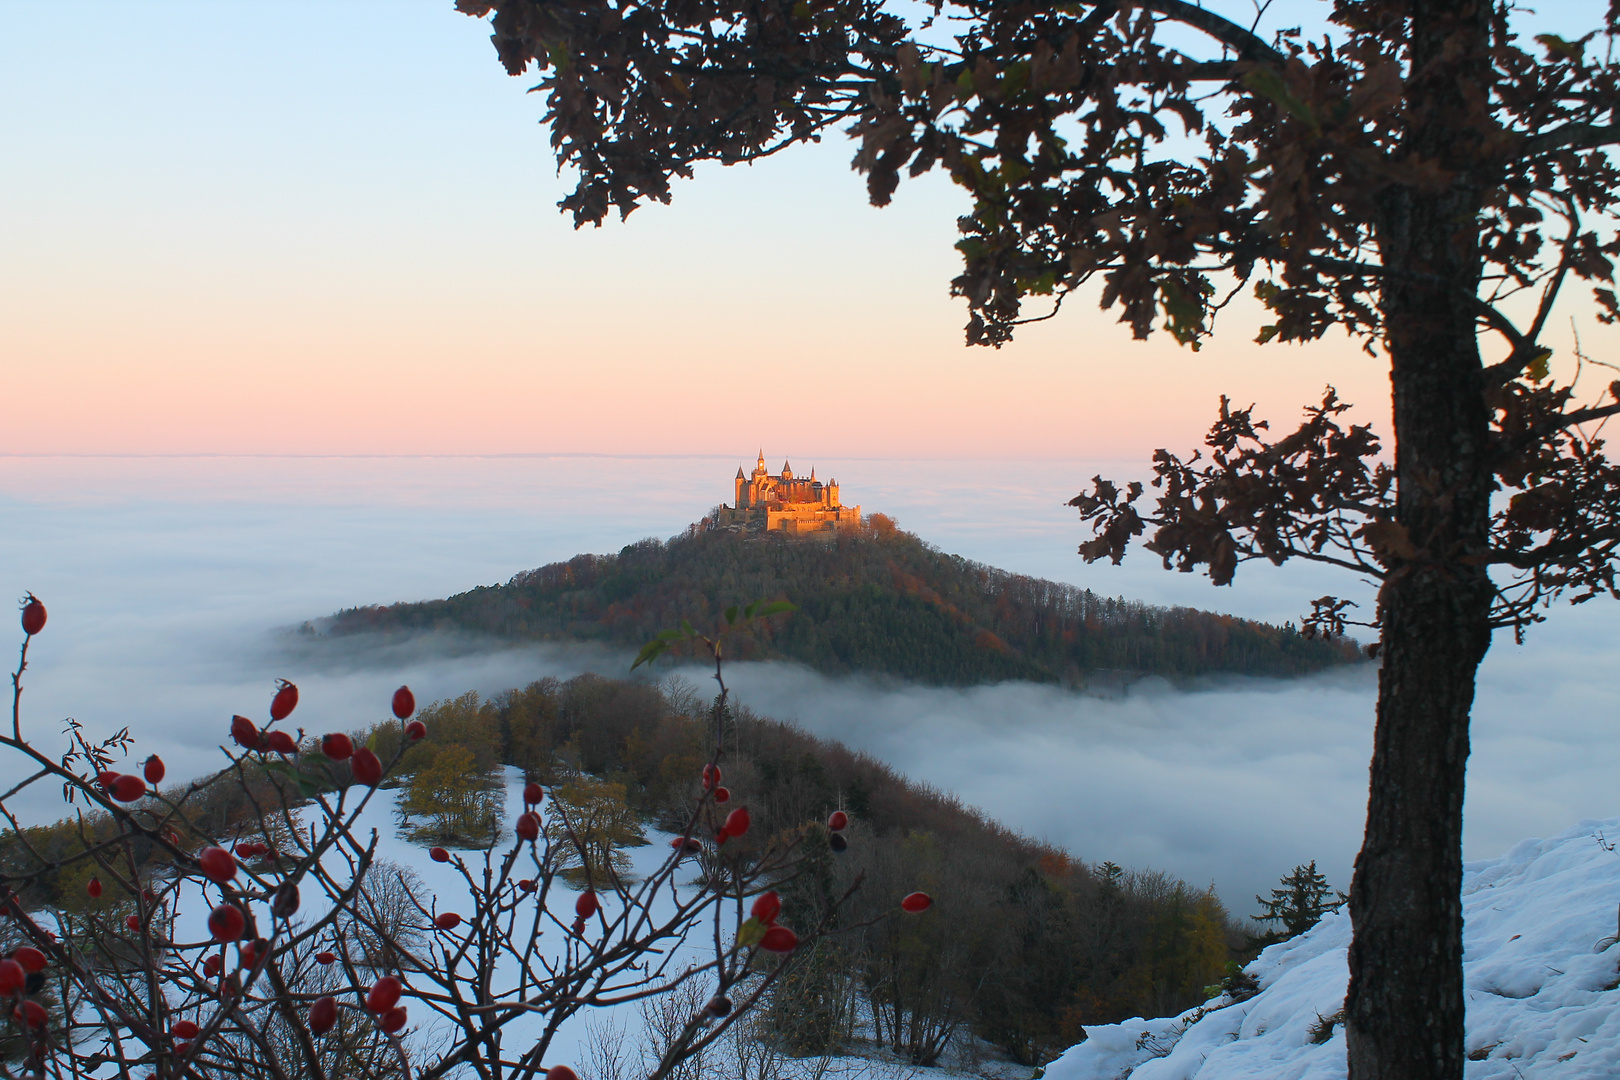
x: 1299, y: 904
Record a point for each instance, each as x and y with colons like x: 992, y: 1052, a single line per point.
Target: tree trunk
x: 1404, y: 1011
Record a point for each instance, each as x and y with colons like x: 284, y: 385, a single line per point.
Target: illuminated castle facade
x: 786, y: 503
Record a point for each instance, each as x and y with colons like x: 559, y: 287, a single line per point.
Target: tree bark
x: 1404, y: 1011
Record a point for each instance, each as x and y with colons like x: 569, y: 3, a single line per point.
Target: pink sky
x: 301, y: 228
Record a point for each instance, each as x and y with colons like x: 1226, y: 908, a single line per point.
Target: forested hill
x: 879, y: 600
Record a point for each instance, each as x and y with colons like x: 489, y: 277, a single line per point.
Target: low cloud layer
x: 173, y: 587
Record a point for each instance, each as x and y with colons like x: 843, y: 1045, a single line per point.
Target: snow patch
x: 1540, y: 971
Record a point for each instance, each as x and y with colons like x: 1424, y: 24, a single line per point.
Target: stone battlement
x: 785, y: 503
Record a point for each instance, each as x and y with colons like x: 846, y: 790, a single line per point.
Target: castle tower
x: 737, y: 499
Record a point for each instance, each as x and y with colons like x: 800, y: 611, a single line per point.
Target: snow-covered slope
x: 1539, y: 967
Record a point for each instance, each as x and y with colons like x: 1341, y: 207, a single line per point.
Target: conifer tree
x: 1299, y: 903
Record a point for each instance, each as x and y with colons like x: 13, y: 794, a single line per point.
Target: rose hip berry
x: 154, y: 770
x: 838, y: 822
x: 527, y: 826
x: 337, y: 746
x: 561, y: 1072
x: 404, y: 702
x: 722, y: 795
x: 416, y: 731
x: 438, y: 854
x: 527, y: 885
x: 217, y: 863
x: 128, y: 788
x: 367, y: 767
x: 711, y: 777
x: 285, y: 701
x: 767, y: 907
x: 226, y: 923
x: 737, y: 822
x: 587, y: 904
x: 94, y: 888
x: 282, y: 743
x: 132, y: 923
x: 393, y: 1019
x: 779, y: 939
x: 448, y: 920
x: 33, y: 616
x: 31, y: 1013
x: 533, y: 793
x: 184, y: 1029
x: 12, y: 976
x: 245, y: 733
x: 324, y: 958
x: 383, y: 995
x: 916, y: 902
x: 323, y: 1015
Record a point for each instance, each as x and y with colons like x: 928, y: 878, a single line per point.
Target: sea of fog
x: 172, y: 584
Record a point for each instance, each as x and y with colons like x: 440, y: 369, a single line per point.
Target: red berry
x: 532, y: 793
x: 711, y: 777
x: 212, y: 966
x: 527, y: 885
x: 404, y: 702
x: 93, y: 888
x: 133, y: 923
x: 217, y: 864
x: 285, y: 701
x: 838, y: 822
x: 528, y: 826
x: 226, y: 923
x: 128, y: 788
x: 107, y: 779
x: 31, y: 1013
x: 33, y: 616
x: 383, y: 995
x: 767, y: 907
x: 687, y: 845
x: 324, y: 958
x: 282, y: 743
x: 916, y: 902
x: 245, y: 732
x: 737, y: 821
x: 323, y: 1015
x: 722, y: 794
x: 587, y: 904
x: 30, y: 958
x: 561, y: 1072
x: 154, y: 770
x: 438, y: 854
x: 416, y: 731
x: 12, y: 976
x: 449, y: 920
x: 337, y: 746
x: 779, y: 939
x: 366, y: 767
x: 393, y: 1019
x: 284, y: 904
x: 184, y: 1029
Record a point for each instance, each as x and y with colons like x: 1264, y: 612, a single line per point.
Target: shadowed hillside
x: 877, y: 600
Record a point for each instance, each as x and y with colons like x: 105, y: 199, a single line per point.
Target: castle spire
x: 762, y: 457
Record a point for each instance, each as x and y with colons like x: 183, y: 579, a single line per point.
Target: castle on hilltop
x: 785, y: 503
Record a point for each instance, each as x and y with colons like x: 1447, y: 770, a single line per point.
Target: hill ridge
x: 878, y: 600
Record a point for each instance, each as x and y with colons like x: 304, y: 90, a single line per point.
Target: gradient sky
x: 302, y: 227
